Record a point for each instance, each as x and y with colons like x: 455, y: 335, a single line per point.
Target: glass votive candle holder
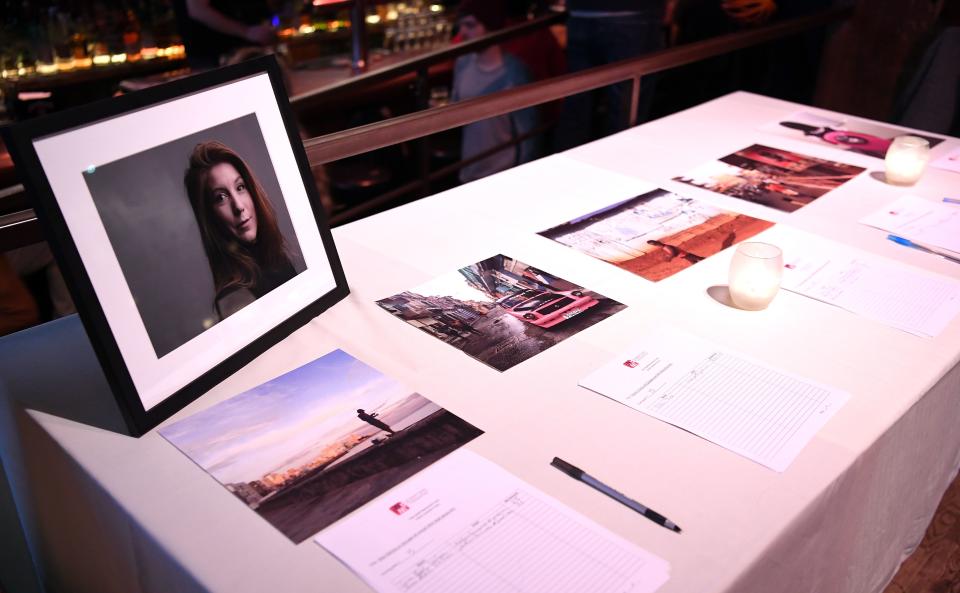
x: 906, y: 159
x: 755, y: 274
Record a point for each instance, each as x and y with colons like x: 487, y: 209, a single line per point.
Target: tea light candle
x: 755, y: 273
x: 906, y: 159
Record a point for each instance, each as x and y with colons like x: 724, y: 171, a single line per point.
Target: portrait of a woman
x: 248, y: 254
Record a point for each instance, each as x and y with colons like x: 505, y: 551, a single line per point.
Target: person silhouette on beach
x: 371, y: 419
x: 673, y: 251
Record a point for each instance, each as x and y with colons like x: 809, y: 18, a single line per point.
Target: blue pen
x: 952, y: 200
x: 909, y: 243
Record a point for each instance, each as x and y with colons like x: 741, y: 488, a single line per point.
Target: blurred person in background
x: 785, y: 68
x: 18, y: 309
x: 32, y: 290
x: 931, y: 97
x: 212, y: 29
x: 489, y: 71
x: 749, y: 13
x: 539, y: 50
x: 602, y: 32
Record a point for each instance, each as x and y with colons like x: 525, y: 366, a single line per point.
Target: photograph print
x: 310, y: 446
x: 656, y: 234
x: 862, y: 137
x: 772, y: 177
x: 199, y: 227
x: 500, y: 311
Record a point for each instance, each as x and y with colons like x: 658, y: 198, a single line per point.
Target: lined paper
x: 492, y: 532
x: 949, y: 161
x: 906, y: 298
x: 933, y: 224
x: 754, y: 410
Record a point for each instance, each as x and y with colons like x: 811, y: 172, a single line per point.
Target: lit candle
x: 755, y: 273
x: 906, y: 159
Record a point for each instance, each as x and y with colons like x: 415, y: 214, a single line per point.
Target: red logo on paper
x: 631, y: 363
x: 399, y: 508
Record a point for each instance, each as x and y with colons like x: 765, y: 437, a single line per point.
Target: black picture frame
x: 80, y: 251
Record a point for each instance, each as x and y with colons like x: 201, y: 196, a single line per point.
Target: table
x: 110, y: 513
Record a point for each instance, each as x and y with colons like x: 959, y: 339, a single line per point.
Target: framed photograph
x: 188, y: 227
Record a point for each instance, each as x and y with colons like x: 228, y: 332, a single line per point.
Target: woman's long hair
x: 234, y: 264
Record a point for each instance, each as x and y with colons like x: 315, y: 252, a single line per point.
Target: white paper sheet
x: 949, y: 161
x: 759, y: 412
x: 466, y: 525
x: 900, y: 296
x: 933, y: 224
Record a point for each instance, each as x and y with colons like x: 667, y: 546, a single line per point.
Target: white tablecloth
x: 111, y: 513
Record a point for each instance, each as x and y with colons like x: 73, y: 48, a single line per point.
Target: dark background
x: 145, y: 210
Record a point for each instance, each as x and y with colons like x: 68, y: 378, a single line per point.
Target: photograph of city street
x: 308, y: 447
x: 863, y: 137
x: 776, y: 178
x: 656, y: 234
x: 500, y: 311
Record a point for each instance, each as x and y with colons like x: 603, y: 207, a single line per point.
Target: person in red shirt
x: 540, y: 52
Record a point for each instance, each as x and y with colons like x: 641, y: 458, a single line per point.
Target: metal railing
x: 347, y: 143
x: 17, y: 226
x: 418, y: 65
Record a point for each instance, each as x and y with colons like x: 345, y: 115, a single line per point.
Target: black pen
x: 578, y: 474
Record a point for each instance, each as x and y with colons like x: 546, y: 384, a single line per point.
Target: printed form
x: 903, y: 297
x: 440, y: 532
x: 949, y: 161
x: 932, y: 224
x: 764, y: 414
